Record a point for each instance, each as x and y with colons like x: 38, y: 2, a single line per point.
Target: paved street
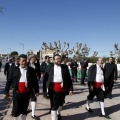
x: 74, y: 108
x: 4, y: 105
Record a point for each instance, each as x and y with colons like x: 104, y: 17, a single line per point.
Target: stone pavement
x: 4, y: 105
x: 74, y: 108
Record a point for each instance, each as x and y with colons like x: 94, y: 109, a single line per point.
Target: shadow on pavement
x: 4, y: 106
x: 96, y: 112
x: 112, y: 109
x: 70, y: 105
x: 115, y: 95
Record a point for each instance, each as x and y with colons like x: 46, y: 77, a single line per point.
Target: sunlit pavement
x: 74, y: 107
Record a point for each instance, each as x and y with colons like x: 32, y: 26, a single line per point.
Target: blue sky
x: 31, y: 22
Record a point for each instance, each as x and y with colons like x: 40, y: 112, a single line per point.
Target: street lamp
x: 23, y: 46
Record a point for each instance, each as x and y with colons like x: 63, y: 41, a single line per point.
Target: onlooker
x: 110, y: 77
x: 64, y: 60
x: 0, y: 65
x: 73, y: 67
x: 8, y: 67
x: 44, y: 65
x: 84, y: 65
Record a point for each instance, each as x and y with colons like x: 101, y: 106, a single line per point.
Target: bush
x: 14, y: 54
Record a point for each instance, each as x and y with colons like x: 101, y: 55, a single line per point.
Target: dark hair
x: 46, y: 57
x: 22, y: 56
x: 63, y: 57
x: 55, y: 56
x: 98, y: 59
x: 110, y: 57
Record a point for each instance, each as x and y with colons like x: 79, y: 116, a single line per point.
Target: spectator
x: 84, y: 65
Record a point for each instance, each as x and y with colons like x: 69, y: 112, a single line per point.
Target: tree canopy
x: 14, y: 54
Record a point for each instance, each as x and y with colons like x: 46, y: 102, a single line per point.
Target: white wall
x: 118, y: 67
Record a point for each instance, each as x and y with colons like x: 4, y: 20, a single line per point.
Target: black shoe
x: 34, y: 117
x: 89, y: 110
x: 105, y: 116
x: 28, y: 110
x: 59, y: 117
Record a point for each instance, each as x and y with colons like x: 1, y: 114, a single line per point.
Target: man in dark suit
x: 73, y: 67
x: 14, y: 67
x: 10, y: 83
x: 0, y: 65
x: 110, y: 77
x: 84, y: 65
x: 24, y: 81
x: 16, y: 62
x: 58, y: 82
x: 45, y: 64
x: 32, y: 63
x: 8, y: 67
x: 96, y: 86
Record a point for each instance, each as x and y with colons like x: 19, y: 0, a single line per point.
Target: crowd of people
x: 23, y: 76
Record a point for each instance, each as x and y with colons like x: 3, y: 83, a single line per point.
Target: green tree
x: 14, y: 54
x: 105, y: 59
x: 92, y: 59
